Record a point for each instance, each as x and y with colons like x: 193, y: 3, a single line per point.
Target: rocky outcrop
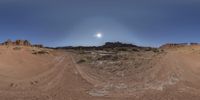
x: 8, y: 42
x: 20, y: 43
x: 174, y: 45
x: 17, y: 43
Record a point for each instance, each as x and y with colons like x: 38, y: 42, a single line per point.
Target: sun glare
x: 98, y: 35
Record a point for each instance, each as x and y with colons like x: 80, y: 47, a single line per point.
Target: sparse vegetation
x: 17, y: 48
x: 108, y: 57
x: 122, y: 49
x: 136, y: 50
x: 156, y: 50
x: 81, y: 61
x: 40, y: 52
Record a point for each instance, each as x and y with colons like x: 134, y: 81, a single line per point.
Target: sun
x: 98, y: 35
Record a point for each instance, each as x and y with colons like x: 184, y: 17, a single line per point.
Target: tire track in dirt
x: 85, y: 75
x: 37, y: 86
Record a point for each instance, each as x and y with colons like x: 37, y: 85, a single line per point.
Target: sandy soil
x: 170, y: 75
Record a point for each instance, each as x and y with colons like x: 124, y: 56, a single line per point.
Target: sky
x: 77, y: 22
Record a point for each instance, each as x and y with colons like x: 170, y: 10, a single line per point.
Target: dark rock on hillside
x: 172, y: 45
x: 106, y: 45
x: 37, y: 45
x: 194, y: 44
x: 114, y: 47
x: 117, y: 44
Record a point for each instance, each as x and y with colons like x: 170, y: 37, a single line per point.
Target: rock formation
x: 8, y: 42
x: 20, y: 43
x: 172, y: 45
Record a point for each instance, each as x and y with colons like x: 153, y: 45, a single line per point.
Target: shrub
x: 156, y: 50
x: 122, y: 49
x: 136, y: 50
x: 41, y: 52
x: 17, y: 48
x: 81, y: 61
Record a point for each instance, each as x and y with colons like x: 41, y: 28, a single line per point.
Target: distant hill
x: 117, y: 44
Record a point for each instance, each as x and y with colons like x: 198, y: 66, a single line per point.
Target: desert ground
x: 134, y: 73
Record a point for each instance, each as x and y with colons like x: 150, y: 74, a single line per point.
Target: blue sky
x: 75, y: 22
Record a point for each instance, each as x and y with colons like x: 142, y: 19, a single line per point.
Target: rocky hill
x: 117, y: 44
x: 20, y: 43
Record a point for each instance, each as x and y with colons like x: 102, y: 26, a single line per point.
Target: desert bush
x: 109, y: 57
x: 17, y: 48
x: 156, y: 50
x: 89, y: 58
x: 105, y: 57
x: 122, y: 49
x: 81, y: 52
x: 136, y: 50
x: 81, y: 61
x: 148, y: 49
x: 41, y: 52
